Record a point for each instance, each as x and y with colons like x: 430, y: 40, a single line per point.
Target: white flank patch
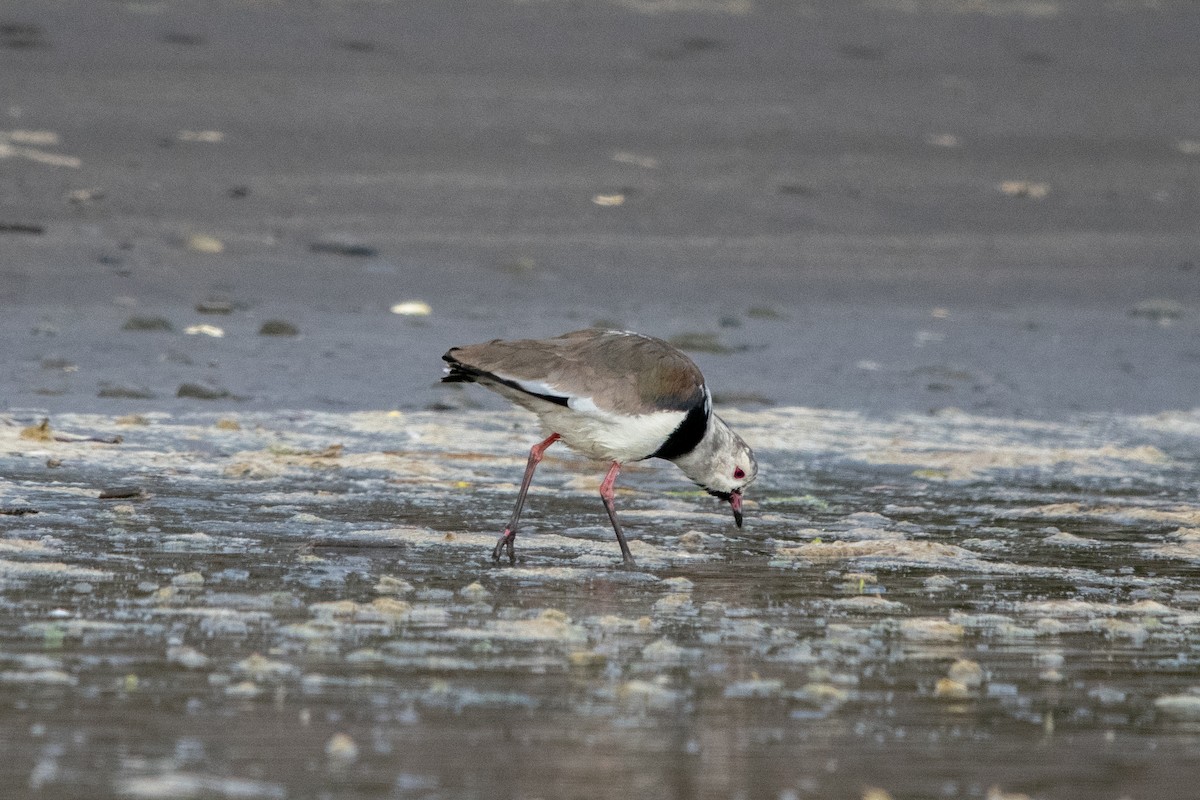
x: 584, y: 405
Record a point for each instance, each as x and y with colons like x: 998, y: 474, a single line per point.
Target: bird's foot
x: 507, y: 543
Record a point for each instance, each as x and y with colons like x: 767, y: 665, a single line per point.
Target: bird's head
x: 727, y: 470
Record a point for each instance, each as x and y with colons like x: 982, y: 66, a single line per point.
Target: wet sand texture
x: 304, y: 603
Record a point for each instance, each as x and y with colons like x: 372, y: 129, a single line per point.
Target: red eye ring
x: 738, y: 474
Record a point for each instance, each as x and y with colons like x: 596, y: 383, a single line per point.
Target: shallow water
x: 302, y: 605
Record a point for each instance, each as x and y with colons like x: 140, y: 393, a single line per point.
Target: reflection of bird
x: 616, y: 396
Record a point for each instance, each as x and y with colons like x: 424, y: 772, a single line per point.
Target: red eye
x: 738, y: 474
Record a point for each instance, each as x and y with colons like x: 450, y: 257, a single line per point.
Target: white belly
x: 610, y: 437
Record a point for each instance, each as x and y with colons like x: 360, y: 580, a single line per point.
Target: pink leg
x: 510, y: 532
x: 606, y: 495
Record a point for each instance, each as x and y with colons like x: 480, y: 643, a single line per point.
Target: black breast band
x: 687, y: 435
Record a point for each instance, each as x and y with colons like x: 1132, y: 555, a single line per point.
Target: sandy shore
x: 878, y: 206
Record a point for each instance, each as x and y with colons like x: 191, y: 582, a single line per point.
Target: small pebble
x: 245, y: 690
x: 278, y: 327
x: 188, y: 580
x: 389, y: 585
x: 586, y: 659
x: 341, y: 748
x: 40, y: 432
x: 120, y: 492
x: 187, y: 657
x: 1184, y: 707
x: 204, y: 330
x: 139, y: 323
x: 608, y: 200
x: 123, y: 391
x: 966, y: 672
x: 17, y: 511
x: 412, y: 308
x: 950, y: 689
x: 203, y: 243
x: 215, y: 305
x: 348, y: 249
x: 1034, y: 190
x: 198, y: 391
x: 475, y: 592
x: 1164, y: 311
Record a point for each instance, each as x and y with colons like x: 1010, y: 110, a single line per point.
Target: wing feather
x: 590, y: 371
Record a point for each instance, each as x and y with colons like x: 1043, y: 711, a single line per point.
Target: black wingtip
x: 457, y: 372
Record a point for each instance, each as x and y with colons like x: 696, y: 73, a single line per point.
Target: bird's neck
x: 697, y: 463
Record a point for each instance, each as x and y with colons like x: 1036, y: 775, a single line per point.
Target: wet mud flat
x: 301, y: 604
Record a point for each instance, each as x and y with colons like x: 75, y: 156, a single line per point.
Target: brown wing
x: 621, y: 372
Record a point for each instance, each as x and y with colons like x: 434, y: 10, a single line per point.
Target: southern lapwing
x: 616, y: 396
